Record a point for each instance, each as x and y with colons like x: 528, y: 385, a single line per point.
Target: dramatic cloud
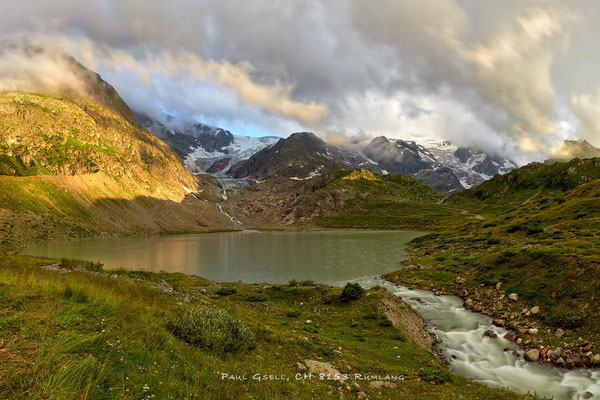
x: 514, y: 77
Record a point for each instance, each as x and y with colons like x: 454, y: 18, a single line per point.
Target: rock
x: 544, y: 352
x: 511, y: 336
x: 498, y: 285
x: 490, y: 333
x: 560, y: 361
x: 460, y: 280
x: 380, y: 384
x: 319, y: 367
x: 513, y: 297
x: 535, y: 310
x: 361, y: 395
x: 533, y: 331
x: 532, y: 355
x: 595, y: 359
x: 308, y: 321
x: 301, y: 366
x: 498, y: 322
x: 464, y: 293
x: 587, y: 395
x: 468, y: 304
x: 519, y: 341
x: 556, y: 353
x: 559, y: 333
x: 586, y: 348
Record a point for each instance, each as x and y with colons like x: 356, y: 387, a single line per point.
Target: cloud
x: 514, y: 77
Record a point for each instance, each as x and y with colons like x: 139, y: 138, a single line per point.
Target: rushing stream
x: 483, y: 359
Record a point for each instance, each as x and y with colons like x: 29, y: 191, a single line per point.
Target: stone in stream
x: 532, y: 355
x: 490, y: 333
x: 587, y: 395
x: 468, y: 304
x: 498, y: 322
x: 511, y: 336
x: 595, y: 360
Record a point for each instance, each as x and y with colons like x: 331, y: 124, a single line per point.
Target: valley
x: 179, y: 215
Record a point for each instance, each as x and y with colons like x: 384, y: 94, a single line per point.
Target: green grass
x: 78, y: 335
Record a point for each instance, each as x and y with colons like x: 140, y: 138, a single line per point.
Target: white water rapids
x: 483, y: 359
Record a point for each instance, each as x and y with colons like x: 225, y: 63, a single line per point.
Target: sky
x: 512, y: 77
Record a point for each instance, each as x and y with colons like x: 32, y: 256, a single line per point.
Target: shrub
x: 210, y: 329
x: 351, y: 291
x: 293, y: 313
x: 293, y: 282
x: 307, y: 283
x: 255, y: 297
x: 226, y: 291
x: 435, y: 375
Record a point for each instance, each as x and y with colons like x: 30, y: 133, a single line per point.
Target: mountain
x: 301, y: 156
x: 204, y: 148
x: 444, y: 167
x: 571, y: 149
x: 81, y: 165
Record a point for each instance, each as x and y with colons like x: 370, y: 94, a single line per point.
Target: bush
x: 307, y: 283
x: 255, y: 297
x: 226, y: 291
x: 210, y: 329
x: 351, y: 291
x: 435, y: 375
x: 293, y: 282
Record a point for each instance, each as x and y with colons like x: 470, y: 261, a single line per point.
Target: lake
x: 248, y: 256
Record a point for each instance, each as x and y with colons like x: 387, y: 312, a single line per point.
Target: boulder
x: 510, y: 336
x: 535, y: 310
x: 560, y: 361
x: 513, y: 297
x: 498, y: 322
x: 532, y: 355
x: 468, y: 304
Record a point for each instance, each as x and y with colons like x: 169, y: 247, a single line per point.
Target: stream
x: 483, y: 359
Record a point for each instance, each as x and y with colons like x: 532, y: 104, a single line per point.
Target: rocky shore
x: 559, y: 347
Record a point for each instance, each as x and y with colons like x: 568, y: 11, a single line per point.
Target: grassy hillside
x: 539, y: 239
x: 80, y: 334
x: 345, y: 200
x: 73, y: 169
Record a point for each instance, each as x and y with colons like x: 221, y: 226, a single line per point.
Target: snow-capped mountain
x: 210, y: 150
x: 207, y: 149
x: 471, y: 167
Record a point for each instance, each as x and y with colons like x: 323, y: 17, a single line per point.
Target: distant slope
x: 343, y: 199
x: 534, y: 179
x: 571, y: 149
